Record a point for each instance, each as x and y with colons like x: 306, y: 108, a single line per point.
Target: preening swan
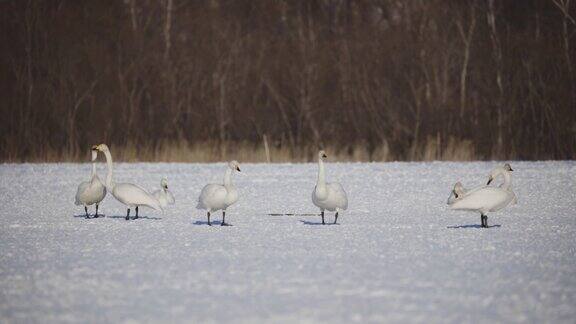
x: 91, y: 192
x: 164, y: 196
x: 216, y: 196
x: 456, y: 193
x: 486, y: 199
x: 129, y: 194
x: 328, y: 196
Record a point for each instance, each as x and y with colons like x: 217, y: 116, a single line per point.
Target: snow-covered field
x: 398, y: 255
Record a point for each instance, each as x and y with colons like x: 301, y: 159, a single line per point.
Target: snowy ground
x: 398, y: 255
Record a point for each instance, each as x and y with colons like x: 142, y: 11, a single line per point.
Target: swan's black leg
x: 336, y: 218
x: 209, y: 224
x: 96, y: 216
x: 86, y: 211
x: 322, y: 214
x: 223, y: 218
x: 128, y: 214
x: 136, y: 213
x: 484, y: 220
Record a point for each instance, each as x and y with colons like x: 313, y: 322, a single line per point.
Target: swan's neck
x: 321, y: 174
x: 109, y: 183
x: 507, y: 180
x: 228, y: 178
x: 93, y: 170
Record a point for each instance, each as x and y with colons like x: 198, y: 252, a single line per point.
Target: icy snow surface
x: 398, y: 255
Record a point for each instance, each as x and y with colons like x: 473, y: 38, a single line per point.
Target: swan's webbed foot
x: 336, y: 218
x: 136, y: 217
x: 322, y: 214
x: 128, y: 214
x: 86, y: 211
x: 209, y: 224
x: 96, y: 215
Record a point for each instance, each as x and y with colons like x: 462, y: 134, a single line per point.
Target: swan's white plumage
x: 93, y: 191
x: 336, y: 198
x: 164, y: 196
x: 485, y: 199
x: 214, y: 196
x: 129, y: 194
x: 132, y: 195
x: 326, y: 195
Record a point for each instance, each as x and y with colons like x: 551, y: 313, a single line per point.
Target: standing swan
x: 164, y: 196
x: 486, y: 199
x: 129, y: 194
x: 91, y: 192
x: 328, y: 196
x: 216, y: 196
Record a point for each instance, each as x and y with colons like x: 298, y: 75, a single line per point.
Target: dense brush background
x: 381, y: 80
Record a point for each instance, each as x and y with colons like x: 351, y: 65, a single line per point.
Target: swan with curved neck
x: 486, y: 198
x: 328, y: 196
x: 129, y: 194
x: 219, y: 197
x: 91, y: 192
x: 164, y: 196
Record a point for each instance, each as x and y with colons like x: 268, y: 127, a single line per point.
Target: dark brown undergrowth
x: 369, y: 80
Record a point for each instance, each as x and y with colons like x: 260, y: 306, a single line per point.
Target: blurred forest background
x: 379, y: 80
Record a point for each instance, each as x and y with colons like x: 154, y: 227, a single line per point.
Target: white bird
x: 216, y: 196
x: 91, y: 192
x: 164, y: 196
x: 487, y: 199
x: 129, y: 194
x: 328, y: 196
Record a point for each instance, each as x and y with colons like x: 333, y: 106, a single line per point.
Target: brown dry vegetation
x: 175, y: 80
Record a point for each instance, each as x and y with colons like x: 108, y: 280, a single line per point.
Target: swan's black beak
x: 238, y: 169
x: 324, y: 156
x: 511, y: 169
x: 489, y: 180
x: 166, y: 187
x: 95, y: 148
x: 455, y: 194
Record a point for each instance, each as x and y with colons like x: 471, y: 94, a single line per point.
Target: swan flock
x: 326, y: 196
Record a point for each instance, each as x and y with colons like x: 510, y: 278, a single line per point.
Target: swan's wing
x: 483, y: 199
x: 81, y: 188
x: 338, y: 195
x: 132, y: 194
x: 212, y: 194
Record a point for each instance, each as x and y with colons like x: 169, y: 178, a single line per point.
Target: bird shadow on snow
x: 471, y: 226
x: 214, y: 223
x: 316, y: 223
x: 139, y: 217
x: 91, y: 216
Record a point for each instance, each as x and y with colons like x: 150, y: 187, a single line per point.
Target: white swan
x: 164, y: 196
x: 487, y: 199
x: 328, y: 196
x: 129, y: 194
x: 216, y: 196
x: 91, y: 192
